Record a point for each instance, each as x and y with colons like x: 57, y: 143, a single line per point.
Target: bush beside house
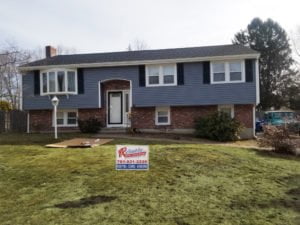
x: 218, y: 126
x: 91, y: 125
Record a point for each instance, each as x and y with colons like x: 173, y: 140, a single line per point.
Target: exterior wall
x: 244, y: 114
x: 99, y: 114
x: 143, y: 118
x: 41, y: 120
x: 182, y: 118
x: 90, y: 98
x: 193, y: 92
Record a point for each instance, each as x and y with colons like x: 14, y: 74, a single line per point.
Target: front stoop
x: 113, y: 130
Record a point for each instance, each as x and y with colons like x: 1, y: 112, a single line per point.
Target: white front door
x: 115, y: 107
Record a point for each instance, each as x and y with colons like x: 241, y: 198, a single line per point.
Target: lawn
x: 186, y: 184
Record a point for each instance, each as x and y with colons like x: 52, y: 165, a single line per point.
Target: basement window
x: 228, y: 109
x: 162, y: 116
x: 58, y: 82
x: 66, y: 118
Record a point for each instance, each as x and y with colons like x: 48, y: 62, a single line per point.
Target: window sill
x: 162, y: 124
x: 227, y: 82
x: 59, y: 93
x: 160, y: 85
x: 65, y: 125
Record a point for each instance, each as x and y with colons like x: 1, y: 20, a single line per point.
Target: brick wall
x: 184, y: 117
x: 99, y: 114
x: 116, y: 85
x: 144, y: 117
x: 244, y: 114
x: 181, y: 117
x: 40, y: 120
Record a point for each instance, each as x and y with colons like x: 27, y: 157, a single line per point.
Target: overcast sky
x: 99, y: 25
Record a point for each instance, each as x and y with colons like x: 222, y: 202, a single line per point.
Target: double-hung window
x: 228, y: 109
x: 227, y: 72
x: 59, y: 81
x: 66, y: 118
x: 161, y: 75
x: 162, y: 116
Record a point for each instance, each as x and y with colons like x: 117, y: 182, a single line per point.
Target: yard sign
x: 132, y: 157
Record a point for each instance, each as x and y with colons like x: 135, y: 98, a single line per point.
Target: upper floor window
x: 228, y: 72
x: 60, y: 81
x: 161, y: 75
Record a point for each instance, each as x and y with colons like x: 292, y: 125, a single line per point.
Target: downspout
x: 254, y: 123
x: 28, y: 122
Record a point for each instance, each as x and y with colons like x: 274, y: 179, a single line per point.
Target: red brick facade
x: 40, y: 120
x: 244, y: 114
x: 143, y: 118
x: 182, y: 117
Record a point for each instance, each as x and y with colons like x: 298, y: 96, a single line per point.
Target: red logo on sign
x: 123, y: 152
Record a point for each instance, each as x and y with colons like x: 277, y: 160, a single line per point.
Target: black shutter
x: 249, y: 66
x: 180, y: 74
x: 37, y: 84
x: 80, y: 81
x: 142, y: 75
x: 206, y: 72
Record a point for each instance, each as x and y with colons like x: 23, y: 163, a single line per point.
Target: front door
x: 115, y: 107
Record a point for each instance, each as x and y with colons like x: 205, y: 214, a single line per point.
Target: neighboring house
x: 151, y: 90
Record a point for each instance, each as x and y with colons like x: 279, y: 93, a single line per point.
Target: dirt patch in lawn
x: 85, y: 202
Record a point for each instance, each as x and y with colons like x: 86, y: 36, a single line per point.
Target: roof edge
x: 139, y: 62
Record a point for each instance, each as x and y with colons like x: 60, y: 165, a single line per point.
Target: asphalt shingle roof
x: 175, y: 53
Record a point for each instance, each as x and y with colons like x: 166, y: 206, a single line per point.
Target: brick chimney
x: 50, y: 51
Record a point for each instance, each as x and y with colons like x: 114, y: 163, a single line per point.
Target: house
x: 151, y: 90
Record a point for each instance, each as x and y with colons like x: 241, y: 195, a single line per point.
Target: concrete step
x: 113, y: 130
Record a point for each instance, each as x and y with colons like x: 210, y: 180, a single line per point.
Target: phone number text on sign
x: 132, y: 157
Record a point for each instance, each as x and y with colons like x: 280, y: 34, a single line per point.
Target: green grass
x: 186, y: 184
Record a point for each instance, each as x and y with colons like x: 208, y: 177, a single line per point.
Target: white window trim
x: 65, y: 111
x: 161, y: 75
x: 227, y: 106
x: 227, y: 72
x: 66, y: 92
x: 157, y: 109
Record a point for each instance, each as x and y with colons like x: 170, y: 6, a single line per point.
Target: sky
x: 110, y: 25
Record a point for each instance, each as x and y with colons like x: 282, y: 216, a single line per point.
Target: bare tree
x: 137, y: 45
x: 11, y: 56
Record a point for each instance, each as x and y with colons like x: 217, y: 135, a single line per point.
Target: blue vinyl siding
x: 193, y: 92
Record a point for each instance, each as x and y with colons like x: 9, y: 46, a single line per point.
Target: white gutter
x: 139, y: 62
